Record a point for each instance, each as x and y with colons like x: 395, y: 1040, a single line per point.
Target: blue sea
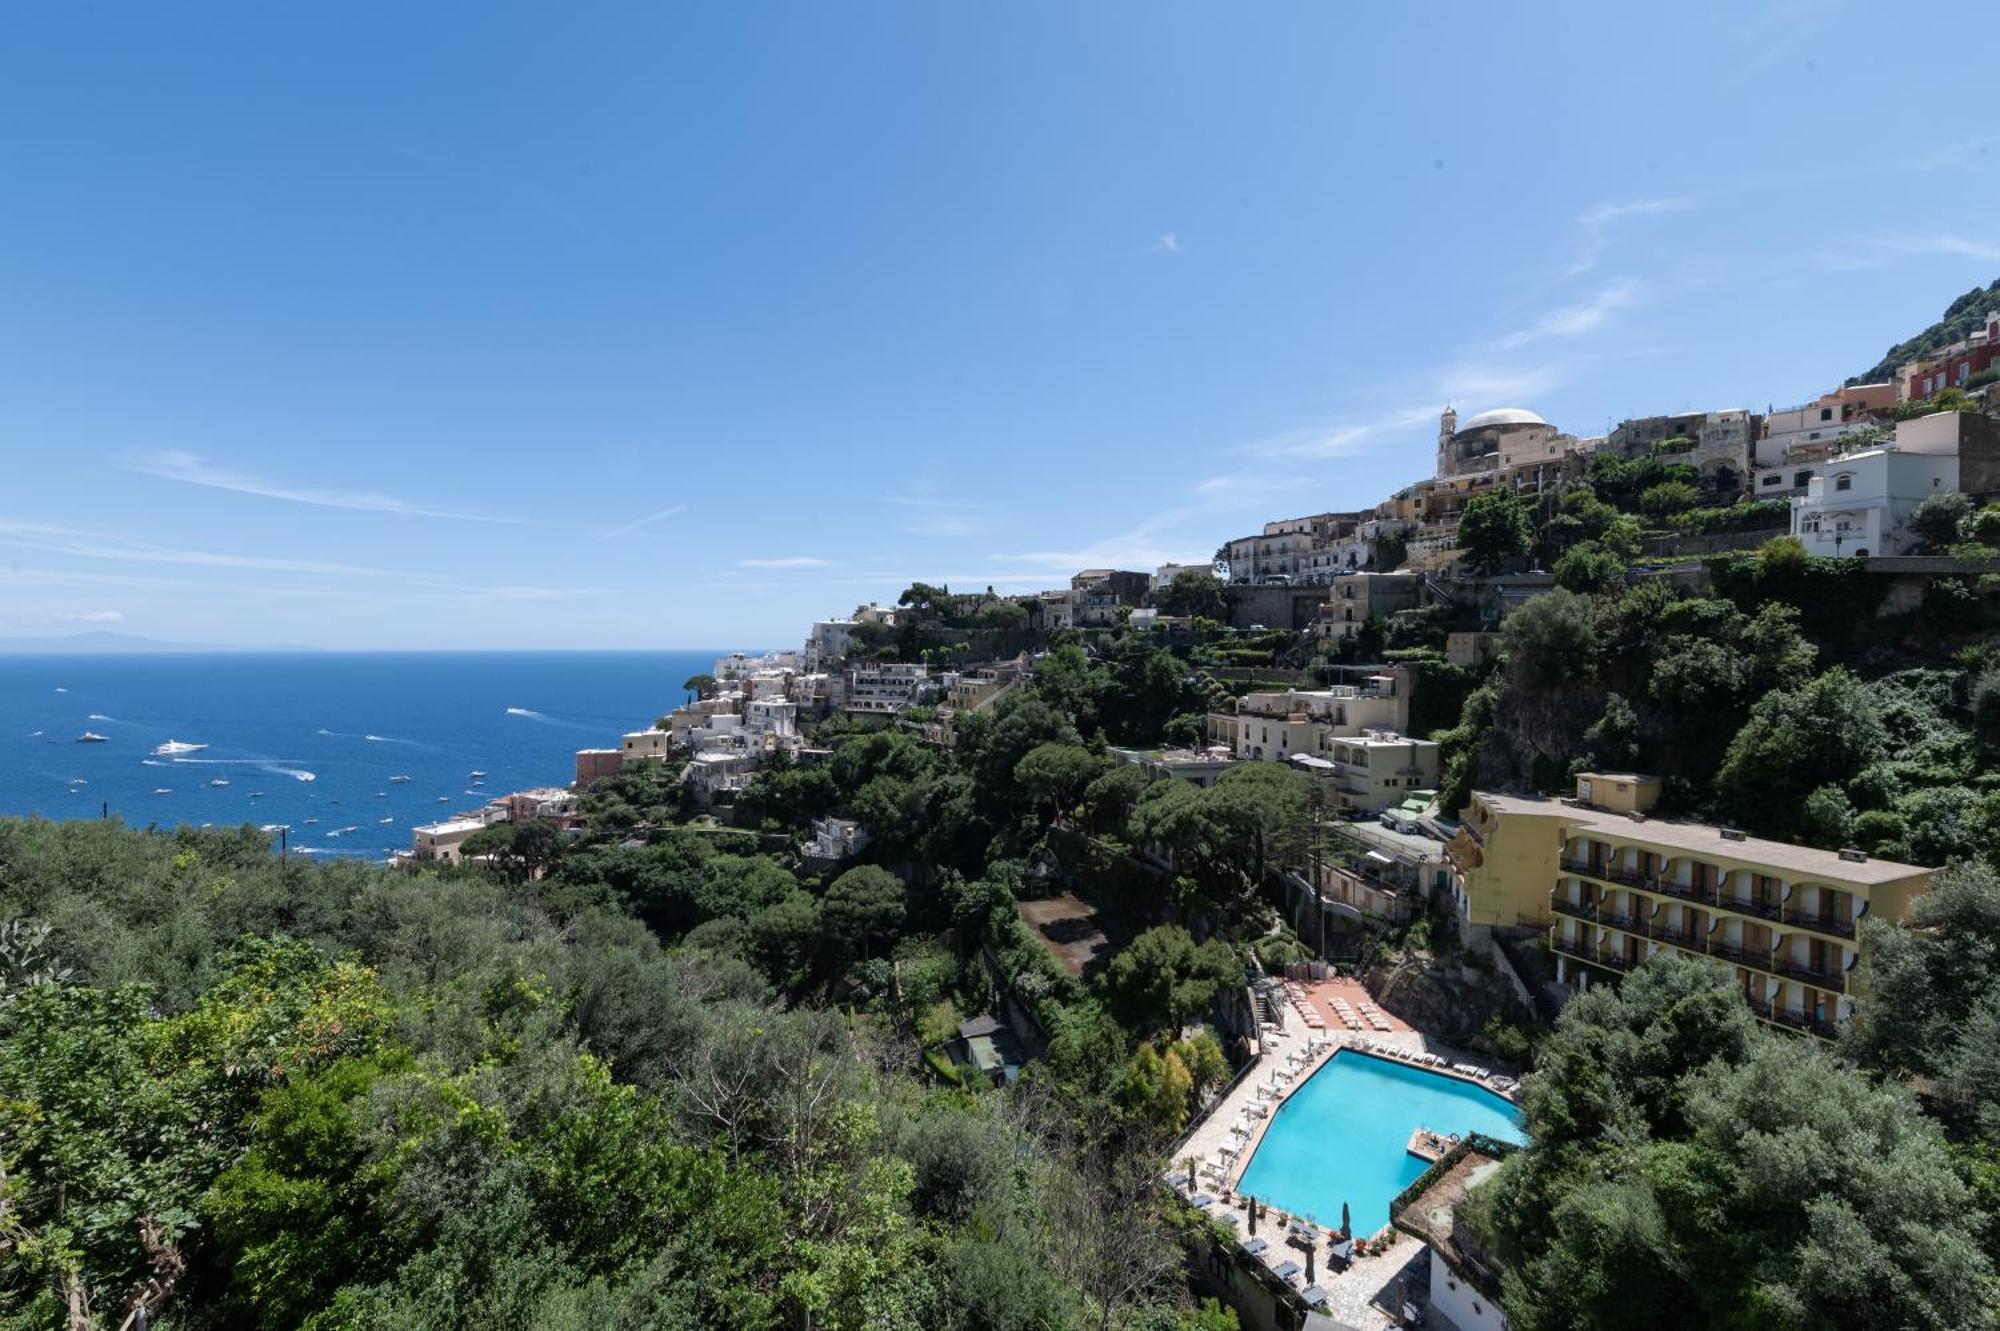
x: 311, y: 740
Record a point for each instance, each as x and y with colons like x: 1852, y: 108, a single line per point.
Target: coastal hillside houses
x: 884, y: 688
x: 1811, y: 431
x: 1609, y: 885
x: 1951, y: 366
x: 1858, y: 501
x: 831, y: 641
x: 1164, y: 576
x: 1717, y: 444
x: 1356, y: 598
x: 1348, y: 738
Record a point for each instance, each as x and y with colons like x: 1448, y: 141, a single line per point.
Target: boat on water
x: 311, y: 821
x: 444, y: 799
x: 476, y: 775
x: 399, y: 780
x: 256, y: 794
x: 91, y: 737
x: 385, y: 820
x: 174, y: 746
x: 78, y: 781
x: 163, y: 790
x: 220, y: 781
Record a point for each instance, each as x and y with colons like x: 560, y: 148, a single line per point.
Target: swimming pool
x: 1344, y: 1137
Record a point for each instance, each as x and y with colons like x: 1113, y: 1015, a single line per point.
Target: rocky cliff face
x: 1449, y: 999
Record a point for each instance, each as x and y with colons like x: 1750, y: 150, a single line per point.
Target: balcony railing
x: 1586, y: 911
x: 1617, y: 961
x: 1630, y: 924
x: 1685, y: 939
x: 1585, y: 867
x: 1835, y: 980
x: 1760, y: 1006
x: 1800, y: 1021
x: 1755, y: 958
x: 1571, y: 948
x: 1824, y: 924
x: 1763, y: 910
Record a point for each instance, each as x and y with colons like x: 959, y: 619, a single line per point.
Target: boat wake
x: 274, y: 766
x: 99, y: 716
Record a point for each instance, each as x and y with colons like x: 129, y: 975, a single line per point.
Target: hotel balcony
x: 1757, y: 959
x: 1835, y: 980
x: 1763, y: 910
x: 1688, y: 940
x: 1586, y: 911
x: 1631, y: 924
x: 1574, y: 949
x: 1805, y: 1022
x: 1820, y: 923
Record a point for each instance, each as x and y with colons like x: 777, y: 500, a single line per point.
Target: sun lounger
x: 1288, y: 1270
x: 1256, y: 1246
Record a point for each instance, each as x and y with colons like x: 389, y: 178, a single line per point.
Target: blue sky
x: 494, y: 326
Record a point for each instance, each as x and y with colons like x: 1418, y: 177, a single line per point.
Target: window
x: 1802, y: 478
x: 1773, y: 479
x: 1843, y: 482
x: 1826, y: 413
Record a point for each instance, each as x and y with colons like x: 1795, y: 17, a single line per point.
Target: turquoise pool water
x: 1344, y: 1137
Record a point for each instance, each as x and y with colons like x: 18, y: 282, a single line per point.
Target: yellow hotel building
x: 1612, y: 886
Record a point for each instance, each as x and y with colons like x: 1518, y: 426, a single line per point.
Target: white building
x: 646, y: 746
x: 740, y: 665
x: 1370, y: 771
x: 441, y: 841
x: 886, y: 687
x: 834, y: 839
x: 717, y: 772
x: 1164, y: 576
x: 1861, y: 504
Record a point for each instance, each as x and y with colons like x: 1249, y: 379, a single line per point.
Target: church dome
x: 1500, y: 416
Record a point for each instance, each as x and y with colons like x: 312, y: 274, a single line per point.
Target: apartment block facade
x: 1612, y: 886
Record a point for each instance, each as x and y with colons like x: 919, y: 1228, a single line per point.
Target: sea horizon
x: 347, y: 748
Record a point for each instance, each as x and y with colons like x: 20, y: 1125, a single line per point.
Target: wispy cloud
x: 1875, y: 251
x: 646, y: 521
x: 1338, y: 439
x: 1167, y: 244
x: 1143, y: 547
x: 789, y: 561
x: 1595, y: 223
x: 191, y: 469
x: 1585, y: 316
x: 940, y: 516
x: 79, y: 543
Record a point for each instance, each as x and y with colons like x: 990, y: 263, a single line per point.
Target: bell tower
x: 1447, y: 427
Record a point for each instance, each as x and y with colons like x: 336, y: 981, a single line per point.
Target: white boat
x: 311, y: 821
x: 174, y: 746
x: 385, y: 820
x: 256, y: 794
x: 399, y: 780
x: 78, y: 781
x: 444, y: 799
x: 163, y: 790
x: 220, y: 781
x: 477, y: 775
x: 90, y: 737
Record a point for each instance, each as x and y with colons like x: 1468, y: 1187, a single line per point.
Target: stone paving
x: 1364, y: 1295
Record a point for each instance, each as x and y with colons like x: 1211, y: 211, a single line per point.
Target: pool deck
x: 1287, y: 1056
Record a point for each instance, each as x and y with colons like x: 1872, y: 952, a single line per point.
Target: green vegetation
x: 1689, y: 1168
x: 1961, y: 317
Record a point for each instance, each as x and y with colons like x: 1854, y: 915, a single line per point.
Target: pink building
x: 593, y: 765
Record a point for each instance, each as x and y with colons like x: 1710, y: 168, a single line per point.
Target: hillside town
x: 1319, y: 648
